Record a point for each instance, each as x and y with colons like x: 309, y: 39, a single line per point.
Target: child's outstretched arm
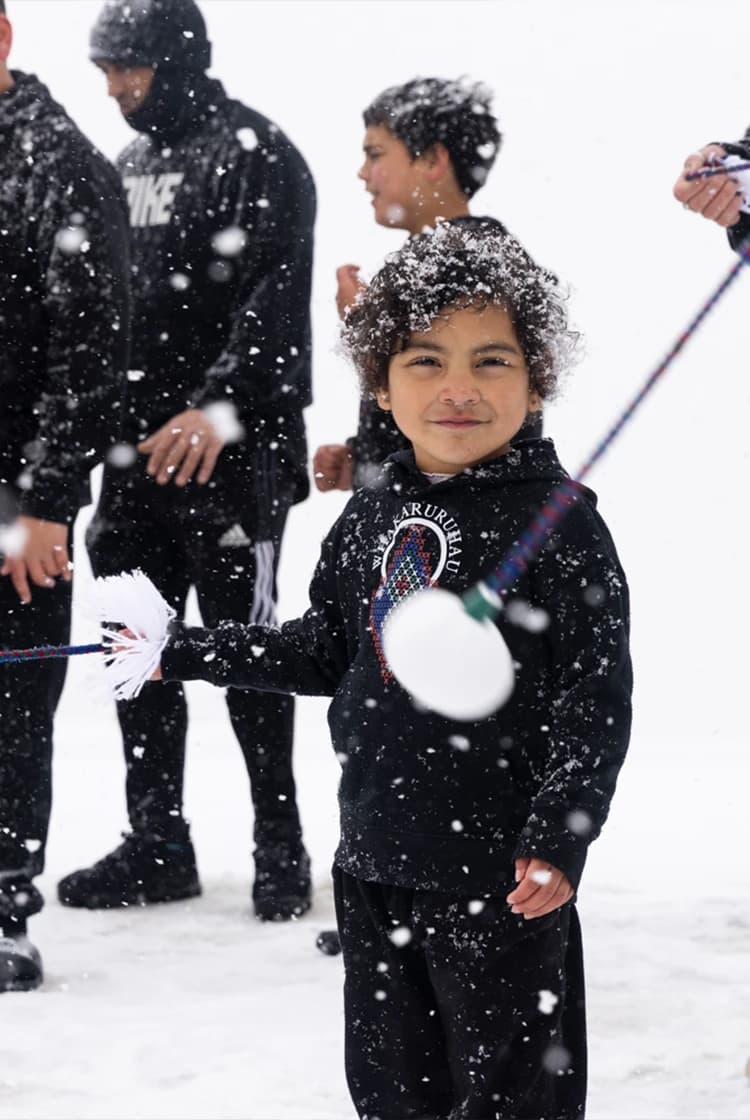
x: 307, y: 655
x: 583, y: 588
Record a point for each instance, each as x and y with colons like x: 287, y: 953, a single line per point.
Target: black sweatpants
x: 29, y: 694
x: 457, y: 1008
x: 179, y: 543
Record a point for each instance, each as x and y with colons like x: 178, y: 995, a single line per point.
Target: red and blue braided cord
x: 39, y: 653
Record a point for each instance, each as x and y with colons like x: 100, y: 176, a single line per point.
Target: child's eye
x: 424, y: 360
x: 493, y: 361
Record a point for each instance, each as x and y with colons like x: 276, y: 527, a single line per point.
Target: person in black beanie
x: 222, y: 208
x: 64, y: 326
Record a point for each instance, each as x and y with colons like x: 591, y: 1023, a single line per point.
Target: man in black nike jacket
x: 222, y: 208
x: 64, y: 314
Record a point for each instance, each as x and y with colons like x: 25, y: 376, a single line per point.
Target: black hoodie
x: 64, y: 310
x: 427, y: 802
x: 222, y: 208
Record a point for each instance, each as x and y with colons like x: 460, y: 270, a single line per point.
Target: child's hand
x: 541, y: 889
x: 332, y: 467
x: 348, y: 287
x: 156, y: 675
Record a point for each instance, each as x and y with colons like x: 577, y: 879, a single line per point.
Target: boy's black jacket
x: 222, y: 208
x: 64, y: 305
x: 426, y: 802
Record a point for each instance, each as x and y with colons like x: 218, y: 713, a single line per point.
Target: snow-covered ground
x: 195, y: 1010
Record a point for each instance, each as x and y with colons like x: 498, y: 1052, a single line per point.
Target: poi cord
x: 707, y: 172
x: 40, y: 653
x: 485, y: 598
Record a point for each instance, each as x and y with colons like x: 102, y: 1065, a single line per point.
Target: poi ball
x: 446, y: 660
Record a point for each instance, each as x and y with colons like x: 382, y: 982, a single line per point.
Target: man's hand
x: 717, y: 197
x: 44, y: 558
x: 332, y: 467
x: 185, y: 444
x: 541, y: 889
x: 348, y: 287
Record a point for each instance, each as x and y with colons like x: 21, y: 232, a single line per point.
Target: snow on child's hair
x: 460, y: 265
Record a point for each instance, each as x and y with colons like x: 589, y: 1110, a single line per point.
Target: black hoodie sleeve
x: 307, y: 655
x: 741, y: 229
x: 268, y: 194
x: 582, y: 587
x: 82, y: 250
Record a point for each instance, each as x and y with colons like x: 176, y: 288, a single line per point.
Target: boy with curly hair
x: 462, y: 844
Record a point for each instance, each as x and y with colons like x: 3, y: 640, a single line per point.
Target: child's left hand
x: 541, y: 889
x: 156, y: 675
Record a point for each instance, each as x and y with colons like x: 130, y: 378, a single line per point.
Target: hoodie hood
x: 151, y: 33
x: 530, y: 460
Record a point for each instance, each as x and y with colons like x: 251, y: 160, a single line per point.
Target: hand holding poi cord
x: 421, y: 634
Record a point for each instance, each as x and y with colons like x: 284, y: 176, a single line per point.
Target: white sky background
x: 599, y: 103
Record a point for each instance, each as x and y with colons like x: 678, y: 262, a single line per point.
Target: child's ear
x: 384, y: 401
x: 535, y: 401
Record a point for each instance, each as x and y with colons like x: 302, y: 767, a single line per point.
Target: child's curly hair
x: 454, y: 266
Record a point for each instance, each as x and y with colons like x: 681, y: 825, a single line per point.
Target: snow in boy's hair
x: 457, y: 266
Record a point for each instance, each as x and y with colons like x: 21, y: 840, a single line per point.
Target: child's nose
x: 460, y: 391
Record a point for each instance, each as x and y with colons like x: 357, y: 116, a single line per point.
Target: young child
x: 462, y: 844
x: 429, y: 146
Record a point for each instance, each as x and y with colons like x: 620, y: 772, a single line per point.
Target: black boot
x: 20, y: 963
x: 145, y: 868
x: 282, y: 888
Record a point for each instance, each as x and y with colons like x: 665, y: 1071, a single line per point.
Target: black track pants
x: 458, y: 1009
x: 29, y: 694
x: 234, y: 577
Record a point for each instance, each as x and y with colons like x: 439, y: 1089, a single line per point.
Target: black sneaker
x: 20, y: 963
x: 143, y: 869
x: 282, y: 888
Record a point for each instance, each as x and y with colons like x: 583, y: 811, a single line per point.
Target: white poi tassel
x: 132, y: 600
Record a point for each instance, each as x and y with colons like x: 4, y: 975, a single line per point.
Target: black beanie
x: 151, y: 33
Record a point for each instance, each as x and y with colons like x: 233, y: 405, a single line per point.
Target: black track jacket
x: 426, y: 802
x: 64, y: 307
x: 222, y: 238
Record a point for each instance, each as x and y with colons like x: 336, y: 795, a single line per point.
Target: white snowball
x: 229, y: 242
x: 223, y: 416
x: 71, y: 240
x: 447, y: 660
x: 122, y: 455
x: 247, y: 138
x: 13, y: 539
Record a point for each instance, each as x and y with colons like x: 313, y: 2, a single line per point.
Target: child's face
x: 460, y: 390
x: 395, y: 180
